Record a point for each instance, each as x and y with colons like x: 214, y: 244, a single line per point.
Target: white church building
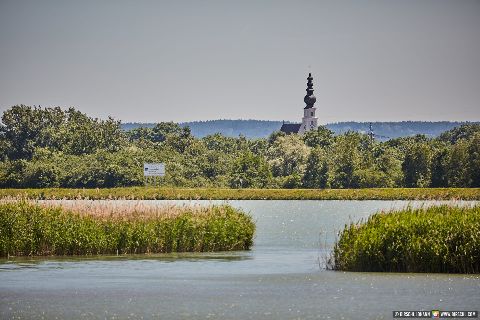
x: 309, y: 120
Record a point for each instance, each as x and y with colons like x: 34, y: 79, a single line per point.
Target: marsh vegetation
x: 434, y: 239
x: 32, y: 228
x: 165, y: 193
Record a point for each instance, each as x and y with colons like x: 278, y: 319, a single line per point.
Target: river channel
x: 282, y: 277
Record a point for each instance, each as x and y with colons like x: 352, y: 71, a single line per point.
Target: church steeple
x: 309, y: 99
x: 309, y: 120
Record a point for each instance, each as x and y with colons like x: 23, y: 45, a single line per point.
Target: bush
x: 435, y: 239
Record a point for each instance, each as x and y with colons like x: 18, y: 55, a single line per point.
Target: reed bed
x: 164, y: 193
x: 29, y: 228
x: 431, y: 239
x: 136, y: 209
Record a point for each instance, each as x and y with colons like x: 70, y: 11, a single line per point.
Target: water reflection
x: 16, y: 263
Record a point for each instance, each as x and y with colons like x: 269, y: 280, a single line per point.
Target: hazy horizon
x: 334, y: 122
x: 189, y: 61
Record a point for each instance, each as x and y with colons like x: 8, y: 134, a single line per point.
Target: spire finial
x: 309, y: 98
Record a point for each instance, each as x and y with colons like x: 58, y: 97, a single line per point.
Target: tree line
x: 255, y: 129
x: 51, y: 147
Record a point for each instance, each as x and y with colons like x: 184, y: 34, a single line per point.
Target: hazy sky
x: 199, y: 60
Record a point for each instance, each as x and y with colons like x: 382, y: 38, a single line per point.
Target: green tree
x: 346, y: 159
x: 288, y: 155
x: 439, y: 166
x: 26, y: 128
x: 158, y: 133
x: 458, y: 173
x: 80, y: 134
x: 12, y: 173
x: 474, y: 159
x: 462, y: 132
x: 370, y: 178
x: 274, y: 136
x: 416, y: 165
x: 322, y: 137
x: 221, y: 143
x: 316, y: 172
x: 388, y: 161
x: 180, y: 142
x: 250, y: 171
x: 403, y: 143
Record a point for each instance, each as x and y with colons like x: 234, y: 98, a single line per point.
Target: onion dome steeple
x: 309, y: 99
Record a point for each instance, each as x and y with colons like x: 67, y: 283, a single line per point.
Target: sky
x: 152, y: 61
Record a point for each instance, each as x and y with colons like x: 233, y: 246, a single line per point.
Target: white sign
x: 153, y: 169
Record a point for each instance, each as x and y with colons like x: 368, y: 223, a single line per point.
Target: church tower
x: 309, y: 120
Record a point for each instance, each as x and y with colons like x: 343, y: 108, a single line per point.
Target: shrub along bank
x: 435, y: 239
x: 152, y: 193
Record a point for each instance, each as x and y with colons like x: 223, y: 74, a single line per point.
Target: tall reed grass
x: 433, y: 239
x: 29, y: 228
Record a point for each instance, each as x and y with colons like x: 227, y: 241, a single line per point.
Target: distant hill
x: 263, y: 128
x: 390, y: 130
x: 229, y: 128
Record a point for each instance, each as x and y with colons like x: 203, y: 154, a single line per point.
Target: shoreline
x: 165, y: 193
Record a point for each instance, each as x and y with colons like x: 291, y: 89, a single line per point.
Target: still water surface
x: 282, y: 277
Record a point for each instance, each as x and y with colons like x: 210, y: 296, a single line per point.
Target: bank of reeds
x: 151, y: 193
x: 435, y: 239
x: 32, y: 229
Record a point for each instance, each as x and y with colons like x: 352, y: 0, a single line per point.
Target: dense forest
x: 51, y: 147
x: 254, y: 129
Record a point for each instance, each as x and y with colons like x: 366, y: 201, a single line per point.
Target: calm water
x: 282, y: 277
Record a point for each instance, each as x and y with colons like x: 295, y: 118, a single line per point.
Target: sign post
x: 153, y: 170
